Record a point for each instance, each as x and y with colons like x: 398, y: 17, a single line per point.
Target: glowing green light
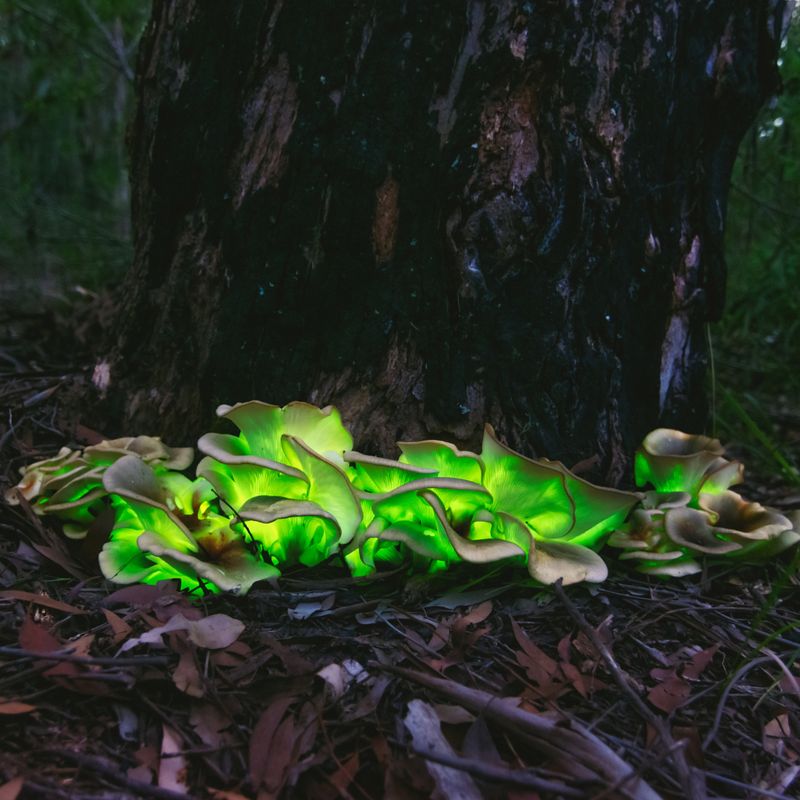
x: 288, y: 489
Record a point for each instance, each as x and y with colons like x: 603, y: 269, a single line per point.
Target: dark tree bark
x: 436, y: 214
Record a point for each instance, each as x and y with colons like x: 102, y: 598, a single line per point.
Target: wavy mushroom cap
x: 670, y: 442
x: 742, y: 520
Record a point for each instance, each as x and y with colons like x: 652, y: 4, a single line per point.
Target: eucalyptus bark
x: 435, y: 215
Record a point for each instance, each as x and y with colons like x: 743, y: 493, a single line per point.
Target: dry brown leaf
x: 694, y: 744
x: 11, y: 789
x: 12, y: 707
x: 261, y: 740
x: 36, y: 637
x: 226, y: 794
x: 211, y: 724
x: 40, y: 600
x: 119, y: 627
x: 186, y: 675
x: 343, y: 776
x: 776, y: 736
x: 453, y: 715
x: 212, y: 633
x: 670, y: 693
x: 699, y: 662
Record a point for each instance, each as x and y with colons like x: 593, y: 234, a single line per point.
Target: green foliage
x: 287, y: 489
x: 758, y: 338
x: 66, y: 87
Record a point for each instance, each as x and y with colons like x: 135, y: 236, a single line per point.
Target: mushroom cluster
x: 287, y: 488
x: 691, y: 513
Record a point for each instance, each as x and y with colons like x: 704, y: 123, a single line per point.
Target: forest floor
x: 469, y: 685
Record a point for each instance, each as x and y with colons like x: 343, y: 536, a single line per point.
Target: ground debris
x: 327, y: 687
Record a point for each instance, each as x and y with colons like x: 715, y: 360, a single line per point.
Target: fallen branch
x: 100, y: 661
x: 495, y: 774
x: 565, y: 739
x: 115, y: 774
x: 692, y: 780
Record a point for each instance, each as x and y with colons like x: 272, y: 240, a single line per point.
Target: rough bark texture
x: 436, y: 214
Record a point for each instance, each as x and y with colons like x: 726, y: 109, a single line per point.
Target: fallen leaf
x: 453, y: 715
x: 699, y: 662
x: 671, y: 693
x: 307, y: 609
x: 456, y: 599
x: 479, y: 745
x: 343, y: 776
x: 186, y: 675
x: 119, y: 627
x: 212, y: 633
x: 35, y: 637
x: 12, y: 707
x: 261, y: 740
x: 339, y: 677
x: 40, y: 600
x: 11, y: 789
x: 127, y: 723
x: 776, y: 736
x: 211, y: 724
x: 584, y: 645
x: 694, y: 744
x: 173, y: 767
x: 427, y: 737
x: 140, y: 595
x: 225, y: 794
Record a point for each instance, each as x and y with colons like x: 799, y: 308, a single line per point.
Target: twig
x: 793, y: 682
x: 113, y: 772
x: 106, y: 661
x: 712, y: 734
x: 495, y: 774
x: 565, y: 740
x: 691, y: 780
x: 756, y: 790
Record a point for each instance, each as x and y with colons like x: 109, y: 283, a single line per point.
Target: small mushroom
x: 673, y: 461
x: 741, y: 520
x: 166, y: 529
x: 692, y: 529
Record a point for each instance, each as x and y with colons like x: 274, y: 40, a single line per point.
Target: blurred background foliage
x: 66, y: 77
x: 756, y: 346
x: 65, y: 100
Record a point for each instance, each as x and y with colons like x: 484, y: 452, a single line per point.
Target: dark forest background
x: 66, y: 72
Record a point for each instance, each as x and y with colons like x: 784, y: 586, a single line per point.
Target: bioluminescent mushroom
x: 165, y: 528
x: 673, y: 461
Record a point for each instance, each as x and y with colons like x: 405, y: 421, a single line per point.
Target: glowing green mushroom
x: 36, y: 477
x: 262, y: 427
x: 741, y: 520
x: 377, y: 476
x: 166, y: 528
x: 149, y: 449
x: 548, y: 498
x: 445, y: 459
x: 673, y: 461
x: 667, y: 536
x: 547, y: 561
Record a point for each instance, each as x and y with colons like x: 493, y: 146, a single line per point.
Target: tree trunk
x: 434, y: 215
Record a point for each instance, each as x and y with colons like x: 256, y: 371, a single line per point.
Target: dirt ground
x: 468, y: 685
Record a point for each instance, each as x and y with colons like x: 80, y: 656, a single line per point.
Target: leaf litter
x: 325, y: 688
